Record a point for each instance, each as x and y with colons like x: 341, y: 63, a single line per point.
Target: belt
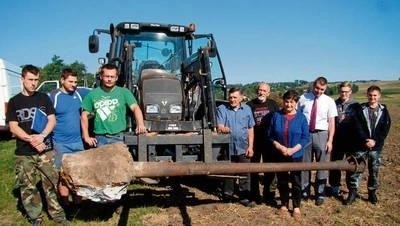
x: 317, y: 131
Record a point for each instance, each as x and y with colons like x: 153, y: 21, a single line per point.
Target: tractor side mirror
x: 93, y: 44
x: 219, y: 82
x: 212, y: 49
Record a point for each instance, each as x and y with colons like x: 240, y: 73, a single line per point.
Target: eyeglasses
x: 345, y: 91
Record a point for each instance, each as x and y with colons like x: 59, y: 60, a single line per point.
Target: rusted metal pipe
x: 164, y: 169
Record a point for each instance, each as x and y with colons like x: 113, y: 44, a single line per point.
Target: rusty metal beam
x: 164, y: 169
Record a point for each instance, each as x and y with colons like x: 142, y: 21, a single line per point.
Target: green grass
x: 390, y: 92
x: 8, y: 209
x: 9, y: 215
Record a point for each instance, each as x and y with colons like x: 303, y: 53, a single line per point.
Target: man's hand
x: 328, y: 146
x: 36, y: 140
x: 249, y: 152
x: 40, y: 147
x: 91, y: 141
x: 223, y: 129
x: 370, y: 143
x: 140, y: 129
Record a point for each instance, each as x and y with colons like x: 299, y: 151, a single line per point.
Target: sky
x: 258, y: 40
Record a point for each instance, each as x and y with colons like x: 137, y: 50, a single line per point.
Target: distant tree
x: 85, y: 79
x: 53, y: 70
x: 330, y: 91
x: 355, y: 88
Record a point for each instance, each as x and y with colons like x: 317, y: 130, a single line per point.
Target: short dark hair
x: 235, y: 89
x: 321, y: 80
x: 291, y: 94
x: 30, y: 68
x: 374, y: 88
x: 109, y: 67
x: 68, y: 72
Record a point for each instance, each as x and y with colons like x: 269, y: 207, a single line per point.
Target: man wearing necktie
x: 320, y: 111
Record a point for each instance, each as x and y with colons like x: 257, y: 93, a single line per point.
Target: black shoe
x: 258, y: 200
x: 270, y: 202
x: 351, y: 197
x: 227, y: 198
x: 319, y: 201
x: 372, y: 196
x: 247, y: 203
x: 269, y: 198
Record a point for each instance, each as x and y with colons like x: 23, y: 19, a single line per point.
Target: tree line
x: 52, y: 71
x: 279, y: 88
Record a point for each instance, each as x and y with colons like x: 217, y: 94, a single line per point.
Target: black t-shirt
x: 21, y: 109
x: 262, y: 113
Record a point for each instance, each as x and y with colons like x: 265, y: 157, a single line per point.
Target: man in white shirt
x: 321, y: 119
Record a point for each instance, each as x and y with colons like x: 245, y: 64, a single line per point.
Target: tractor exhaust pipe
x: 165, y: 169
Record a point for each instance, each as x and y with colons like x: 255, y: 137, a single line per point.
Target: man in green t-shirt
x: 108, y: 104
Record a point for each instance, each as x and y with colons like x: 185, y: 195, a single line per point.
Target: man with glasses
x: 343, y: 140
x: 108, y: 104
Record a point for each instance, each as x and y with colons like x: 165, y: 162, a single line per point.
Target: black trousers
x: 336, y: 175
x: 294, y: 177
x: 269, y: 180
x: 244, y: 185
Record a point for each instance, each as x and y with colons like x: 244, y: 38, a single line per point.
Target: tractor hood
x: 162, y: 96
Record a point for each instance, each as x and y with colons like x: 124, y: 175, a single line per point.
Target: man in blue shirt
x: 237, y: 119
x: 67, y: 101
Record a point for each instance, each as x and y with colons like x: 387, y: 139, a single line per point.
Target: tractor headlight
x: 175, y: 108
x: 152, y: 108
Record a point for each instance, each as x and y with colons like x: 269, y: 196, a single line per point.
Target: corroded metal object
x: 164, y: 169
x: 104, y: 174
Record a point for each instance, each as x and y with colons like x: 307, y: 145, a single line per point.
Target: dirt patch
x: 196, y: 202
x: 207, y: 209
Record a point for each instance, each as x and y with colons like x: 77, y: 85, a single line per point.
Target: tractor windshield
x: 157, y: 51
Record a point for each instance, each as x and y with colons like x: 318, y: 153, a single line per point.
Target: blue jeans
x: 374, y: 162
x: 65, y: 148
x: 108, y: 139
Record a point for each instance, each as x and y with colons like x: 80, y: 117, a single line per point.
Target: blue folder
x: 39, y: 121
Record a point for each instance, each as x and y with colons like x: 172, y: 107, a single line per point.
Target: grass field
x: 390, y: 92
x: 8, y: 212
x: 86, y: 214
x: 206, y: 209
